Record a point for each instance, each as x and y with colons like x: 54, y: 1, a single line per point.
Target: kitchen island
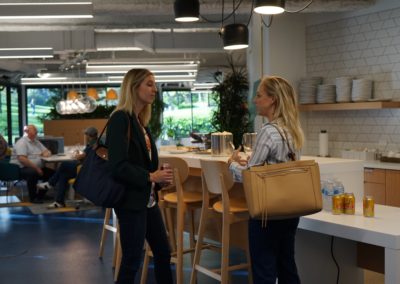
x: 313, y: 243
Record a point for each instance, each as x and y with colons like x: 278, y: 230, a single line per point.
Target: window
x: 15, y: 122
x: 186, y: 112
x: 40, y: 102
x: 3, y: 112
x: 9, y: 113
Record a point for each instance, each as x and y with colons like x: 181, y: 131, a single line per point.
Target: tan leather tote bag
x: 283, y: 190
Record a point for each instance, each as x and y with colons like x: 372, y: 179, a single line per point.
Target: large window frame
x: 11, y: 112
x: 186, y: 111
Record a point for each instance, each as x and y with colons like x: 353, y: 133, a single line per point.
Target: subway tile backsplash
x: 366, y: 46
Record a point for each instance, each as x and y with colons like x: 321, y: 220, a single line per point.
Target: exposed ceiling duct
x: 132, y: 29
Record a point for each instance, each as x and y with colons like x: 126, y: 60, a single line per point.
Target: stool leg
x: 225, y: 249
x: 104, y: 231
x: 191, y: 234
x: 179, y: 247
x: 118, y: 257
x: 199, y: 243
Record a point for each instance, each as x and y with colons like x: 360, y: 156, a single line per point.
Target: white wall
x: 281, y: 49
x: 363, y: 46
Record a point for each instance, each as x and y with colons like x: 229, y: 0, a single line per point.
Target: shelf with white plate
x: 350, y: 106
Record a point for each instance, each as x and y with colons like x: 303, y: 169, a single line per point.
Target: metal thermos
x: 222, y: 144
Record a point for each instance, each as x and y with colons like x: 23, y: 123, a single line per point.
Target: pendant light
x: 111, y: 95
x: 72, y: 95
x: 186, y: 10
x: 235, y: 36
x: 92, y: 92
x: 269, y: 7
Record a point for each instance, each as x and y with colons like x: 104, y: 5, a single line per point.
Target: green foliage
x: 157, y: 109
x: 182, y: 127
x: 232, y: 114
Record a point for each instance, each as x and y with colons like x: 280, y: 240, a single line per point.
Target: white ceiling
x: 147, y: 23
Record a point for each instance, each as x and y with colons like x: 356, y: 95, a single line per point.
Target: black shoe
x: 37, y: 201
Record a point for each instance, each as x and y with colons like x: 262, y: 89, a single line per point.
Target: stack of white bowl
x: 308, y: 90
x: 343, y: 89
x: 326, y: 94
x: 361, y: 90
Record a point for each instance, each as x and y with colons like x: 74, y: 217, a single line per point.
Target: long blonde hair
x: 129, y: 94
x: 286, y: 112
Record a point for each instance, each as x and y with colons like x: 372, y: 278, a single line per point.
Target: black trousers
x: 134, y: 227
x: 32, y: 177
x: 272, y: 251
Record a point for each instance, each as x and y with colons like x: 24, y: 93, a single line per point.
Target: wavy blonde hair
x: 286, y: 112
x: 129, y: 94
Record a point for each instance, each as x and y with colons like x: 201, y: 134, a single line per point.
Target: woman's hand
x: 235, y: 157
x: 164, y: 176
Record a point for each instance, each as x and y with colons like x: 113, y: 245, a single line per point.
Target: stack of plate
x: 308, y: 90
x: 361, y: 90
x: 343, y: 89
x: 326, y: 94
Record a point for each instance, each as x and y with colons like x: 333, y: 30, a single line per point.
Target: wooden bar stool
x: 108, y: 227
x: 183, y: 201
x: 217, y: 179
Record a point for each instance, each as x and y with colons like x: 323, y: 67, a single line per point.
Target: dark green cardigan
x: 130, y: 167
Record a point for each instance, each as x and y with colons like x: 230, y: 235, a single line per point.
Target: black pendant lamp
x: 235, y: 36
x: 186, y: 10
x: 269, y: 7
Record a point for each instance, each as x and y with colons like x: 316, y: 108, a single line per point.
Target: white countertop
x: 325, y: 163
x: 382, y: 230
x: 381, y: 165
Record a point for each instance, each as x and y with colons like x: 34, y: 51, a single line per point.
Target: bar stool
x: 183, y: 201
x: 216, y: 179
x: 107, y: 227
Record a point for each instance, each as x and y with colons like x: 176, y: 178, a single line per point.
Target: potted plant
x: 231, y: 93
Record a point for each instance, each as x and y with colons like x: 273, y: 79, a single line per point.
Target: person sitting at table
x: 67, y: 170
x: 27, y: 154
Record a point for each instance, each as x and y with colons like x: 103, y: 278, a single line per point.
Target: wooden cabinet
x: 72, y: 129
x: 393, y: 188
x: 375, y: 184
x: 383, y: 185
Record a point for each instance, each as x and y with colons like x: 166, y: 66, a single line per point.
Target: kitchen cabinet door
x: 375, y: 184
x: 377, y: 190
x: 374, y: 175
x: 393, y: 188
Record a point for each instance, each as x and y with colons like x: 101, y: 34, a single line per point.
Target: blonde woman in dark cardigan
x: 135, y: 163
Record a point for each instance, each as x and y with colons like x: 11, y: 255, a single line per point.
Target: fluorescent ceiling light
x: 163, y: 78
x: 46, y: 10
x: 100, y: 80
x: 119, y: 48
x: 155, y: 68
x: 39, y: 52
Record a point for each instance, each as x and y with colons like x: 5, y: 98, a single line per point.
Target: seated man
x: 68, y: 170
x: 27, y: 153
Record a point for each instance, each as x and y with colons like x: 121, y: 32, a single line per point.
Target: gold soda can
x: 349, y: 203
x: 368, y: 206
x: 337, y: 204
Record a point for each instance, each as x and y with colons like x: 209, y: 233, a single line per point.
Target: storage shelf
x: 349, y: 106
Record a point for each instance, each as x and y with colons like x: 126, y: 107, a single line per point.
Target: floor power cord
x: 334, y: 259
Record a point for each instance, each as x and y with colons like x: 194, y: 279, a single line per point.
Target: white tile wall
x: 366, y: 46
